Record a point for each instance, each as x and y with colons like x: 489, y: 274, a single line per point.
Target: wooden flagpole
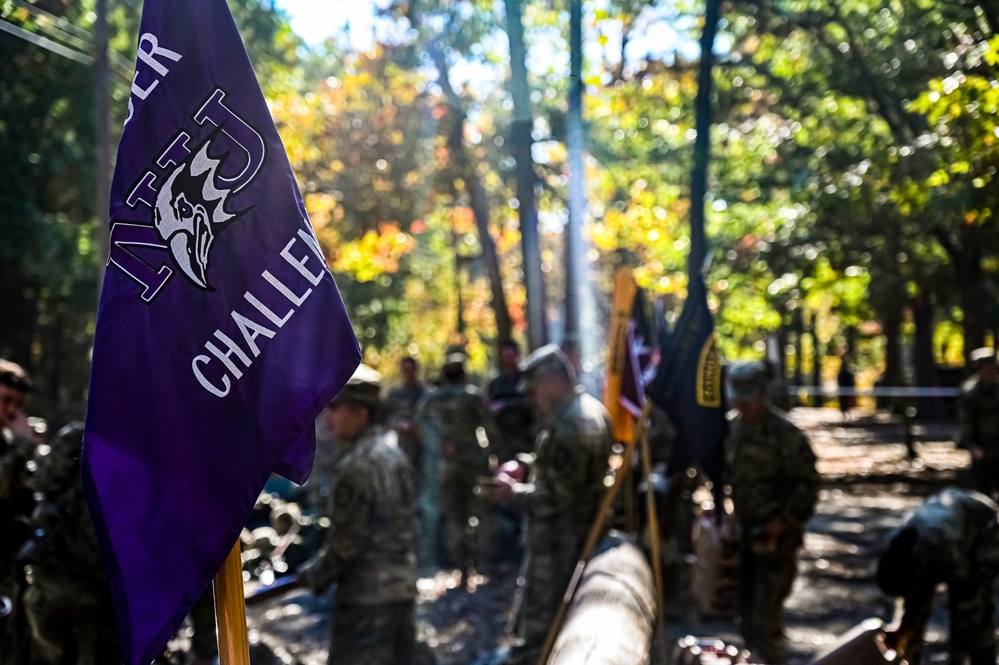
x: 230, y: 611
x: 652, y: 517
x: 617, y: 353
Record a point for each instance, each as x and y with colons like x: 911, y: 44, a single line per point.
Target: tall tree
x: 478, y: 197
x: 521, y: 139
x: 574, y: 256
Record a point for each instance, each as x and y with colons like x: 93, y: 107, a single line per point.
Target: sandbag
x: 715, y: 577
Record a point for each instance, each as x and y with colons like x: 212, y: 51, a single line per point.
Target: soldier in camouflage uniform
x: 401, y: 406
x: 510, y: 406
x: 514, y: 418
x: 16, y: 449
x: 204, y: 639
x: 771, y: 469
x: 674, y: 495
x: 370, y: 547
x: 559, y: 487
x: 68, y: 601
x: 953, y: 538
x: 458, y: 430
x: 980, y: 421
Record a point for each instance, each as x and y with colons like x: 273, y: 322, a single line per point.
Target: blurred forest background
x: 851, y: 194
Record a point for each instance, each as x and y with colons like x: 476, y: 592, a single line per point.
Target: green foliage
x: 48, y: 258
x: 854, y: 157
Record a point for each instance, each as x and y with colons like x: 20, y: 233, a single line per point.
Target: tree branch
x: 942, y: 237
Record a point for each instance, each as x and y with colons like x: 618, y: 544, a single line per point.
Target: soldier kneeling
x: 954, y: 538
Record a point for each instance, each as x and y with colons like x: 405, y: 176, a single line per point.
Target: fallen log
x: 612, y: 614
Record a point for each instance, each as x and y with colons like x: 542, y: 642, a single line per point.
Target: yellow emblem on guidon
x: 709, y: 375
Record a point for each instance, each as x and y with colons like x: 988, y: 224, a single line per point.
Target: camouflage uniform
x: 955, y: 539
x: 458, y: 430
x: 204, y: 639
x: 675, y: 505
x: 771, y: 469
x: 561, y: 499
x: 402, y: 406
x: 513, y: 414
x: 980, y: 428
x: 370, y: 555
x: 514, y: 417
x: 68, y: 601
x: 15, y: 504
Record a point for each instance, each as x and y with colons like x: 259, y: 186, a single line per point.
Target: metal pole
x: 577, y: 176
x: 103, y: 138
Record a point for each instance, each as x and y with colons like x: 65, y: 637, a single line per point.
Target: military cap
x: 455, y: 358
x: 747, y: 381
x: 455, y: 355
x: 547, y: 359
x: 13, y: 376
x: 362, y: 388
x: 983, y: 356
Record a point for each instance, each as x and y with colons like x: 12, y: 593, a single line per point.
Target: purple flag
x: 220, y: 334
x: 641, y: 360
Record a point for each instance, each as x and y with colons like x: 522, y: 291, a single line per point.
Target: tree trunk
x: 966, y: 258
x: 799, y: 352
x: 816, y: 361
x: 55, y: 360
x: 521, y: 142
x: 851, y: 344
x: 971, y: 279
x: 574, y: 256
x: 478, y: 198
x: 459, y: 321
x: 611, y: 616
x: 924, y: 359
x: 102, y: 100
x: 891, y: 321
x: 782, y: 339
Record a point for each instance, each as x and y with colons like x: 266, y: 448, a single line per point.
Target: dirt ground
x: 869, y: 485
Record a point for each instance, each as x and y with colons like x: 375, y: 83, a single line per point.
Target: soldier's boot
x: 972, y: 622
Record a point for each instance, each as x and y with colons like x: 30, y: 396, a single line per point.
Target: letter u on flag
x: 220, y: 333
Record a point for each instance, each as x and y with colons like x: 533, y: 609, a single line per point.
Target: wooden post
x: 652, y: 516
x: 230, y: 611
